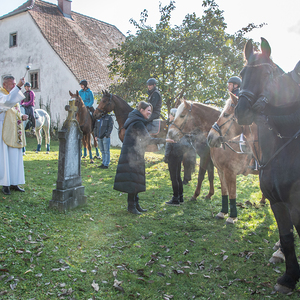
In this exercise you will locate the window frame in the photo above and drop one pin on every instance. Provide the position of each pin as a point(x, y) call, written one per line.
point(13, 39)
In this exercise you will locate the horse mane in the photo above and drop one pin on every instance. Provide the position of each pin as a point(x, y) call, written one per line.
point(182, 106)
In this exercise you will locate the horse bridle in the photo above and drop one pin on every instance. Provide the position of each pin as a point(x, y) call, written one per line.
point(250, 96)
point(217, 128)
point(104, 108)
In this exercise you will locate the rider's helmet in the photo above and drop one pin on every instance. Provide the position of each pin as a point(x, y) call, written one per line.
point(151, 81)
point(235, 80)
point(83, 82)
point(296, 73)
point(27, 84)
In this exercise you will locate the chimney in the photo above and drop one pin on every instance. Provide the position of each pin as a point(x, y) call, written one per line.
point(65, 7)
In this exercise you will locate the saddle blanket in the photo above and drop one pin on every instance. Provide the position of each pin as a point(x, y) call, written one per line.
point(154, 127)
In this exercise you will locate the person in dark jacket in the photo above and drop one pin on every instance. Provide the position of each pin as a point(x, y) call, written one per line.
point(102, 131)
point(130, 175)
point(154, 99)
point(173, 157)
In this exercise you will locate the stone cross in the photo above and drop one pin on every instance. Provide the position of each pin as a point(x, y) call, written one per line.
point(69, 191)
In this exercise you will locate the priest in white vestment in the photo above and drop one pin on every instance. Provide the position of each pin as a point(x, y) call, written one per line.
point(12, 135)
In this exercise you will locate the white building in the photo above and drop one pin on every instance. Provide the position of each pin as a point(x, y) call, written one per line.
point(62, 47)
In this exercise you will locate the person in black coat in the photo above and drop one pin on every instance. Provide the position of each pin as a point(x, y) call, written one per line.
point(130, 176)
point(173, 157)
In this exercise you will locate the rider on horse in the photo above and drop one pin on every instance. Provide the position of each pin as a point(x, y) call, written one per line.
point(87, 96)
point(28, 104)
point(233, 85)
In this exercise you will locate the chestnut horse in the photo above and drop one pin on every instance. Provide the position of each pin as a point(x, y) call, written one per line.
point(195, 120)
point(86, 125)
point(277, 119)
point(235, 157)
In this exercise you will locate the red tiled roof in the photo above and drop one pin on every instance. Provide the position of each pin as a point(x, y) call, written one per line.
point(82, 43)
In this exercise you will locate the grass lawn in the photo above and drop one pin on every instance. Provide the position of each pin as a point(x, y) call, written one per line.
point(100, 251)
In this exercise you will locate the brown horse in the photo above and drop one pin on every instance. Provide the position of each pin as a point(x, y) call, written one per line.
point(195, 120)
point(86, 125)
point(120, 107)
point(239, 143)
point(110, 102)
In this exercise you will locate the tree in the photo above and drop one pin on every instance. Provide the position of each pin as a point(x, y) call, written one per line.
point(193, 60)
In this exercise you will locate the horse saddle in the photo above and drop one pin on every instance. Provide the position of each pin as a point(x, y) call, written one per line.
point(154, 126)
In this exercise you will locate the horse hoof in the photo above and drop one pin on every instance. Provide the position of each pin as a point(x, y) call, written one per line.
point(231, 221)
point(193, 199)
point(208, 196)
point(277, 257)
point(282, 289)
point(220, 216)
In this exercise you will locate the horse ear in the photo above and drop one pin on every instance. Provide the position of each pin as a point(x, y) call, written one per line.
point(70, 93)
point(103, 93)
point(265, 47)
point(248, 50)
point(77, 94)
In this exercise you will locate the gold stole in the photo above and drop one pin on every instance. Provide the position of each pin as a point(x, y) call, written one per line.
point(13, 133)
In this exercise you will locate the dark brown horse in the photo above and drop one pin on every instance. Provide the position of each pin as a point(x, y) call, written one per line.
point(235, 157)
point(195, 120)
point(272, 102)
point(86, 125)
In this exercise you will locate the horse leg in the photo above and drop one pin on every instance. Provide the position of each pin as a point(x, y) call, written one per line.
point(230, 178)
point(286, 283)
point(39, 140)
point(201, 176)
point(89, 146)
point(84, 146)
point(47, 137)
point(211, 177)
point(96, 147)
point(224, 190)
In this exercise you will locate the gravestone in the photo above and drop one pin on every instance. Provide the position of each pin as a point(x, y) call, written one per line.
point(69, 191)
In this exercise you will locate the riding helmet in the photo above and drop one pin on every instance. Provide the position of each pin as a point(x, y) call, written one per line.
point(296, 73)
point(27, 84)
point(151, 81)
point(235, 80)
point(83, 82)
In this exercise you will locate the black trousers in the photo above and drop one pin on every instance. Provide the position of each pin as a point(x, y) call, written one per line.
point(174, 164)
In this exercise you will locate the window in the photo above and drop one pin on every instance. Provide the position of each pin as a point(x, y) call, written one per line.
point(34, 80)
point(13, 39)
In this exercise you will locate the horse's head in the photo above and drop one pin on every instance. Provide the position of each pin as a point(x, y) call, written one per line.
point(105, 106)
point(225, 126)
point(76, 97)
point(256, 74)
point(183, 121)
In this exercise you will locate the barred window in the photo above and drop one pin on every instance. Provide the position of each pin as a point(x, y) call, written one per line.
point(34, 80)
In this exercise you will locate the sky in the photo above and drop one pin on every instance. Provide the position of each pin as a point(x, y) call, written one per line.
point(282, 17)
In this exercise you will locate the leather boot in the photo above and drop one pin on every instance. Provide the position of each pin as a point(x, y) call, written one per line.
point(137, 205)
point(17, 188)
point(174, 201)
point(131, 205)
point(181, 199)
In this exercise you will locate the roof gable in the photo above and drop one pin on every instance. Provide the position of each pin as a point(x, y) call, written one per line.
point(83, 43)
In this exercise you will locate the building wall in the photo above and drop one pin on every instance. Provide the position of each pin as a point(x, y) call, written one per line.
point(32, 49)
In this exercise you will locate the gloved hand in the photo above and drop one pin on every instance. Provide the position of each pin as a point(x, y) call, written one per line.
point(260, 104)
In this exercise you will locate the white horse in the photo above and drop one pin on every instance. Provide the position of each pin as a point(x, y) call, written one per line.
point(42, 120)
